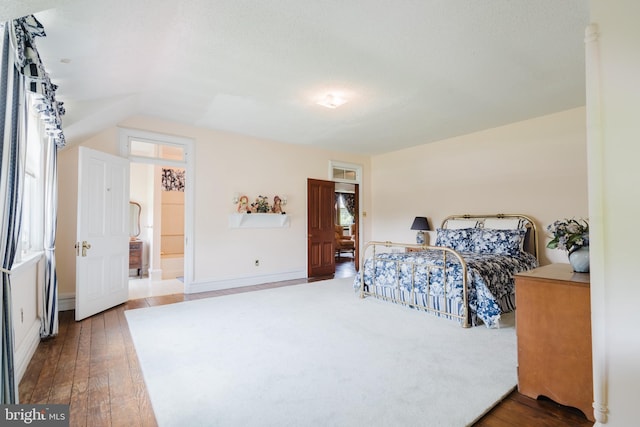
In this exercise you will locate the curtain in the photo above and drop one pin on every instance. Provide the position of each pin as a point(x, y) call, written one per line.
point(21, 70)
point(42, 95)
point(12, 130)
point(49, 324)
point(350, 203)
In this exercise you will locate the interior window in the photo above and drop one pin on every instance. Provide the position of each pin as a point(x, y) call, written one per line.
point(344, 174)
point(156, 150)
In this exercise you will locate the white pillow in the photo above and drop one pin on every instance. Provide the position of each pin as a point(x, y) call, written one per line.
point(503, 223)
point(457, 224)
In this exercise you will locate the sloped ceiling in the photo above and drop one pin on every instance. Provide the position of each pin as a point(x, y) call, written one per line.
point(413, 71)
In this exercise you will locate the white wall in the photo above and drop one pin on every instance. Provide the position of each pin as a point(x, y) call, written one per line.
point(544, 175)
point(27, 282)
point(226, 164)
point(536, 167)
point(613, 95)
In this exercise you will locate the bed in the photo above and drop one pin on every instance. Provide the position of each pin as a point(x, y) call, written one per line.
point(466, 276)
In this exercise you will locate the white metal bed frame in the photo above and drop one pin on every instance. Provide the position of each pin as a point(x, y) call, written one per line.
point(530, 245)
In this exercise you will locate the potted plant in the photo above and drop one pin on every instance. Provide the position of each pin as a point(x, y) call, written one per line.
point(572, 235)
point(261, 205)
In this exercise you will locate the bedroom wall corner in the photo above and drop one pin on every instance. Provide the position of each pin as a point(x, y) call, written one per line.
point(536, 167)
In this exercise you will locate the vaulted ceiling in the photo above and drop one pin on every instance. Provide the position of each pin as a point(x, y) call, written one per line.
point(412, 72)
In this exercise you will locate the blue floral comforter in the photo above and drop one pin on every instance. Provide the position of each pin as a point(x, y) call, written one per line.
point(489, 279)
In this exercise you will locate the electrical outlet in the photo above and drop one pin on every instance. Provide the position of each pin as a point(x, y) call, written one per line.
point(257, 263)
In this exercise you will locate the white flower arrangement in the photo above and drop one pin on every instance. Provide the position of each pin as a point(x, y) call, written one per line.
point(569, 234)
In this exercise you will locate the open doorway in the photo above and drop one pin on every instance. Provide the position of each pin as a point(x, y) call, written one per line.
point(159, 191)
point(161, 184)
point(346, 223)
point(323, 218)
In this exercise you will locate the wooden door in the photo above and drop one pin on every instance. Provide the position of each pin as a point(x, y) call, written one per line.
point(320, 228)
point(102, 239)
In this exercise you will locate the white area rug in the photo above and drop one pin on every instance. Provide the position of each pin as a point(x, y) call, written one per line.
point(317, 355)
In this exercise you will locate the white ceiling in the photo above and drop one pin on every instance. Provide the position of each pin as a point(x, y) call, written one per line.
point(413, 71)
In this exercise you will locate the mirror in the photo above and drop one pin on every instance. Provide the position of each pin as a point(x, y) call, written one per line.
point(134, 219)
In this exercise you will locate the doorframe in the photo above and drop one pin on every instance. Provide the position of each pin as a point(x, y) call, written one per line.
point(188, 145)
point(333, 164)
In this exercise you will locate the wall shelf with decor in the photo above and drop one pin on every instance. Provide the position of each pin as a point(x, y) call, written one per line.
point(258, 220)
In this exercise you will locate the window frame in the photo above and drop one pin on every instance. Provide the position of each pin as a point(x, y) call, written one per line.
point(31, 237)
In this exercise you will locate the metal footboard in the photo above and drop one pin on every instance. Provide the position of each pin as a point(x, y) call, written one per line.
point(441, 306)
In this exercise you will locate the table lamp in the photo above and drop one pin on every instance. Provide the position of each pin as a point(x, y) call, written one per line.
point(421, 224)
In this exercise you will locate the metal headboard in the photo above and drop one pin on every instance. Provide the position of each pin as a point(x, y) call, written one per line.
point(531, 238)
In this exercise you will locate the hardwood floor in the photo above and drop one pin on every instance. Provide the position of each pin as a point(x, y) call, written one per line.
point(92, 366)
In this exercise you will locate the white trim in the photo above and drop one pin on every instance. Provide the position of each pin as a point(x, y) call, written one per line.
point(27, 260)
point(347, 166)
point(597, 191)
point(155, 274)
point(215, 285)
point(127, 134)
point(188, 144)
point(358, 169)
point(26, 350)
point(66, 301)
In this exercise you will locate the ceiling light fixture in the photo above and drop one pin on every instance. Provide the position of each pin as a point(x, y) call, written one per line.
point(332, 101)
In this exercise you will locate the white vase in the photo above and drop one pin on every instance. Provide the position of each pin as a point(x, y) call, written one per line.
point(579, 260)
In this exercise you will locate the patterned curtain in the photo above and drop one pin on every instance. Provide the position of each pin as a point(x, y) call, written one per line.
point(12, 158)
point(50, 112)
point(350, 203)
point(49, 324)
point(21, 70)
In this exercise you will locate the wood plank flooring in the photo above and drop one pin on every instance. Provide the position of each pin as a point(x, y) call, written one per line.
point(92, 365)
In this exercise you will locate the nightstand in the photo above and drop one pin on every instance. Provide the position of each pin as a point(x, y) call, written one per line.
point(553, 326)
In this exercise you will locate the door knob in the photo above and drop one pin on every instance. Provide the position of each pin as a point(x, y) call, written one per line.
point(85, 246)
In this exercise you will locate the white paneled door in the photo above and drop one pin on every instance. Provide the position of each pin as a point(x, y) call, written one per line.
point(102, 242)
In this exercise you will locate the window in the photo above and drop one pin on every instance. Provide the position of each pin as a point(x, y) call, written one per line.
point(340, 173)
point(344, 217)
point(32, 228)
point(156, 150)
point(344, 172)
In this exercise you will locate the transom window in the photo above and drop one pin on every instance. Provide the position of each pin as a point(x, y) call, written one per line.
point(155, 150)
point(344, 174)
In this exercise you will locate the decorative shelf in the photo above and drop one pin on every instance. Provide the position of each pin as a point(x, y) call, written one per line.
point(258, 220)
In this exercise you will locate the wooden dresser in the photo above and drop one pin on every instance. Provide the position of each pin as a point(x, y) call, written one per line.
point(135, 256)
point(553, 325)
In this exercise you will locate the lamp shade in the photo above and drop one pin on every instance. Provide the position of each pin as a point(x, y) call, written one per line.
point(420, 223)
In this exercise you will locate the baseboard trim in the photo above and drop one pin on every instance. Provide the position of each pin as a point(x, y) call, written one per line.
point(216, 285)
point(27, 349)
point(66, 302)
point(155, 274)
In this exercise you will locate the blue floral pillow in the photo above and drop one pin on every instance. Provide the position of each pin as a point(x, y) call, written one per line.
point(499, 242)
point(461, 240)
